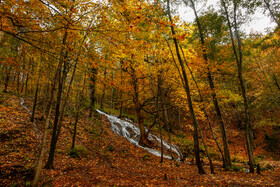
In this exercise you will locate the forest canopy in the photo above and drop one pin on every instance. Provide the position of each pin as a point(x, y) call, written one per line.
point(138, 59)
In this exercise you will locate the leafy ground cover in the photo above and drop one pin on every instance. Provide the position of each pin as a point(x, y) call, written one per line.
point(102, 158)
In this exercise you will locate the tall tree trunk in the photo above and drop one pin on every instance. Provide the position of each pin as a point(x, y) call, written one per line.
point(121, 92)
point(23, 83)
point(112, 93)
point(207, 152)
point(58, 123)
point(65, 103)
point(62, 60)
point(159, 82)
point(165, 118)
point(187, 89)
point(36, 94)
point(49, 164)
point(227, 159)
point(103, 92)
point(26, 83)
point(92, 89)
point(76, 121)
point(204, 109)
point(42, 151)
point(138, 108)
point(7, 80)
point(78, 101)
point(238, 58)
point(18, 81)
point(227, 162)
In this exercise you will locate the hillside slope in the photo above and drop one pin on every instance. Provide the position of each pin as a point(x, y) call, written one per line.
point(104, 157)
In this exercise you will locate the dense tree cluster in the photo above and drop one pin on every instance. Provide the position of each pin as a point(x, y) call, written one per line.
point(136, 57)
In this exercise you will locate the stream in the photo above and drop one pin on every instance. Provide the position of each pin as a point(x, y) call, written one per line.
point(22, 103)
point(126, 129)
point(35, 128)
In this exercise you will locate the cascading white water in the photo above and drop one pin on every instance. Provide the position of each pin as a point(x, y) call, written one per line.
point(132, 133)
point(22, 104)
point(35, 128)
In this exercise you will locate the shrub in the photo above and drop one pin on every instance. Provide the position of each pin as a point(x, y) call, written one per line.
point(78, 151)
point(146, 157)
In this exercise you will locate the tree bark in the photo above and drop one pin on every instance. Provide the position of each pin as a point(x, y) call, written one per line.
point(238, 58)
point(7, 80)
point(26, 83)
point(227, 159)
point(103, 93)
point(112, 93)
point(62, 60)
point(204, 109)
point(42, 151)
point(36, 94)
point(187, 89)
point(76, 122)
point(159, 81)
point(121, 92)
point(92, 90)
point(18, 81)
point(138, 108)
point(207, 152)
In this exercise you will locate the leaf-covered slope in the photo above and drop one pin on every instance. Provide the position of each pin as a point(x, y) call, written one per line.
point(103, 157)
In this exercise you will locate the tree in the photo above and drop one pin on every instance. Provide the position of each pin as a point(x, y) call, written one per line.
point(187, 89)
point(239, 62)
point(273, 7)
point(227, 159)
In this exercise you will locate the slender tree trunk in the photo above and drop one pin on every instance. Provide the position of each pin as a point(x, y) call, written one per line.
point(161, 142)
point(76, 122)
point(227, 162)
point(166, 119)
point(159, 81)
point(62, 60)
point(7, 80)
point(190, 104)
point(238, 57)
point(58, 123)
point(47, 91)
point(121, 92)
point(18, 81)
point(79, 99)
point(26, 83)
point(248, 133)
point(207, 152)
point(23, 83)
point(65, 103)
point(92, 89)
point(112, 93)
point(227, 159)
point(103, 92)
point(204, 110)
point(274, 17)
point(36, 94)
point(39, 166)
point(49, 164)
point(216, 141)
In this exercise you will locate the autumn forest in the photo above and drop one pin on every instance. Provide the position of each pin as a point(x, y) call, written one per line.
point(125, 92)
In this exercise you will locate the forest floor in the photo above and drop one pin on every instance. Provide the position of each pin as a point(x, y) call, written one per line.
point(105, 159)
